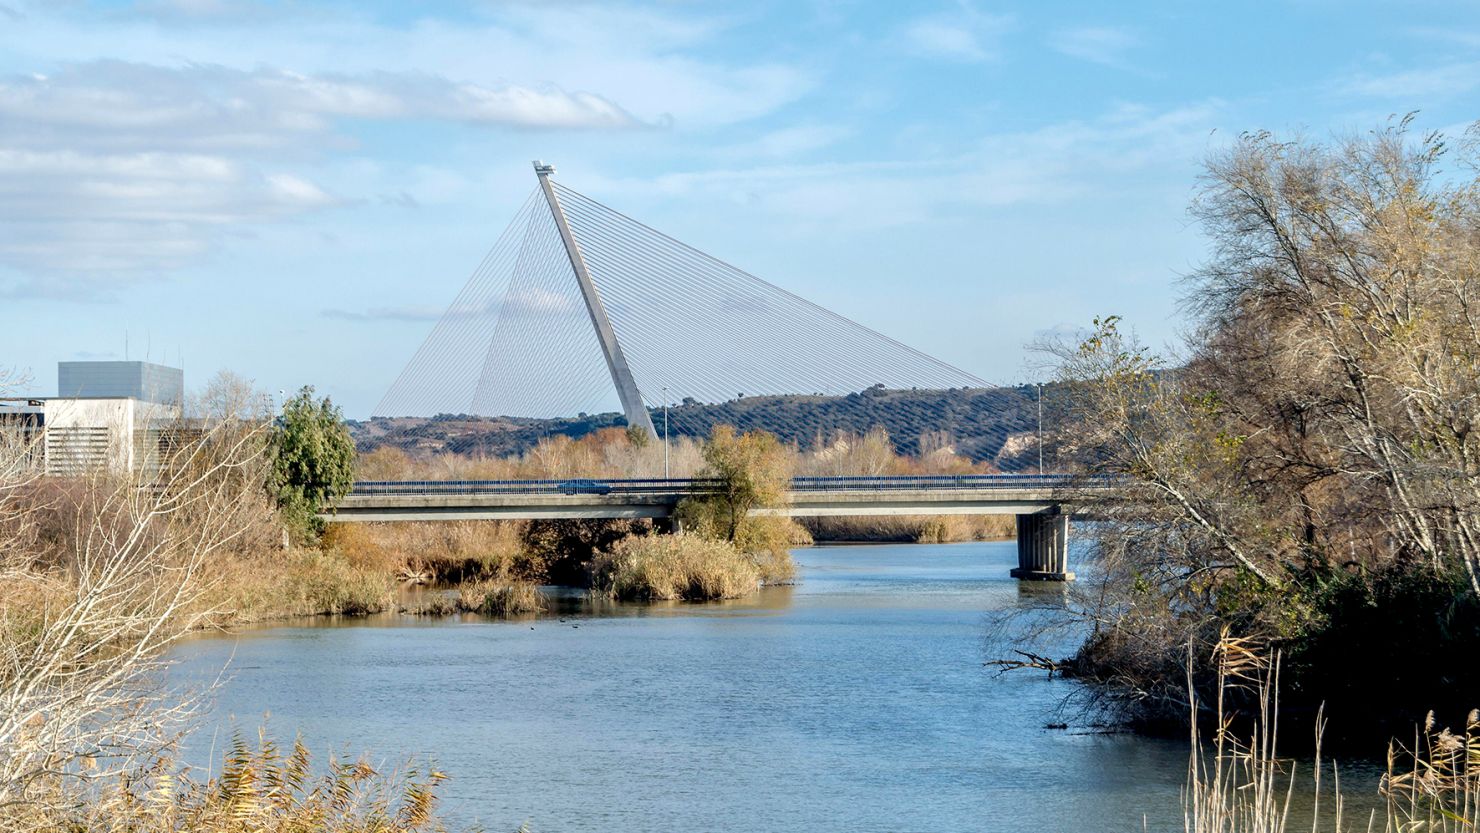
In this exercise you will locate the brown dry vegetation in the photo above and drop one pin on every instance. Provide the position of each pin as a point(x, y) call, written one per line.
point(688, 567)
point(1240, 782)
point(914, 529)
point(1309, 472)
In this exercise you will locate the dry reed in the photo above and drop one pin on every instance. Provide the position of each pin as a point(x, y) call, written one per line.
point(500, 599)
point(675, 567)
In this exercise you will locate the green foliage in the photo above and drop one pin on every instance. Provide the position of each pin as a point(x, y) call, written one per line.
point(312, 461)
point(753, 470)
point(638, 436)
point(1381, 650)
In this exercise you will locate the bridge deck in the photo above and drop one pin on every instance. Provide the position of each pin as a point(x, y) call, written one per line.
point(808, 496)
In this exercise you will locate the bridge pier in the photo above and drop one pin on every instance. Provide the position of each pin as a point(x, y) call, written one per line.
point(1043, 547)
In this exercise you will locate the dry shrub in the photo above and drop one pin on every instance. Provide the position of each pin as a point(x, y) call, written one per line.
point(561, 551)
point(767, 542)
point(506, 599)
point(609, 452)
point(921, 529)
point(679, 566)
point(442, 552)
point(297, 582)
point(92, 606)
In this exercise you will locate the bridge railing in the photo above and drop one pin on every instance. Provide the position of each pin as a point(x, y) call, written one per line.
point(579, 486)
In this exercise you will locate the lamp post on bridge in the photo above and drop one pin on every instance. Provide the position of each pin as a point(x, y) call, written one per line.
point(666, 475)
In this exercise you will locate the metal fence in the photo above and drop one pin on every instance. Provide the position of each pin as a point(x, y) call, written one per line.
point(577, 486)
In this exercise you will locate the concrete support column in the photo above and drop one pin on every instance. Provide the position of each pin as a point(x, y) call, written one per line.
point(1043, 547)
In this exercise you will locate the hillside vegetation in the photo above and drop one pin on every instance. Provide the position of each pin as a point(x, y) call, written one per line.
point(991, 425)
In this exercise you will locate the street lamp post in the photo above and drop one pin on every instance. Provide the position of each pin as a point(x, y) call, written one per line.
point(665, 433)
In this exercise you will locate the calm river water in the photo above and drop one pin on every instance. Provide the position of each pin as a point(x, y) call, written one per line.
point(856, 700)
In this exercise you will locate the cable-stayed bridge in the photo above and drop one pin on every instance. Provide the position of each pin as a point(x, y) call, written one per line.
point(577, 305)
point(577, 301)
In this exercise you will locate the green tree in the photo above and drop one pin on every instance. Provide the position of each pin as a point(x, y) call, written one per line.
point(753, 470)
point(313, 460)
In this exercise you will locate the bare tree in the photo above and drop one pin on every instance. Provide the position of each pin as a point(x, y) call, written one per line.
point(1323, 417)
point(82, 641)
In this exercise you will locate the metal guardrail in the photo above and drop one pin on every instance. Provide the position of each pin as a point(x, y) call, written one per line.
point(590, 486)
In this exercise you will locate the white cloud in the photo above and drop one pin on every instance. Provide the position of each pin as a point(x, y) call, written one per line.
point(1058, 164)
point(1411, 85)
point(966, 36)
point(645, 60)
point(72, 213)
point(1105, 45)
point(139, 138)
point(113, 167)
point(205, 107)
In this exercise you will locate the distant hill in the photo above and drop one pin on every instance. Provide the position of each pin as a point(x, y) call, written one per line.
point(983, 424)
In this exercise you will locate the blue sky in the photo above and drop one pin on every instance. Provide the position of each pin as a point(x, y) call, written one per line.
point(294, 190)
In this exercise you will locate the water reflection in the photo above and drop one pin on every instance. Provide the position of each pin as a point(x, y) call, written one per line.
point(857, 699)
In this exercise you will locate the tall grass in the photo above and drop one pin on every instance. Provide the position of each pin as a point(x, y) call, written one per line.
point(500, 599)
point(449, 551)
point(1238, 783)
point(912, 529)
point(681, 566)
point(1438, 787)
point(294, 582)
point(259, 790)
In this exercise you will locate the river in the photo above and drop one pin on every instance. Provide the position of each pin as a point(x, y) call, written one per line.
point(857, 699)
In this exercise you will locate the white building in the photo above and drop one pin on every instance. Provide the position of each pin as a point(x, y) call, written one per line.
point(92, 426)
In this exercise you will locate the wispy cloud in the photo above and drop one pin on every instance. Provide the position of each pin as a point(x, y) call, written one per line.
point(1412, 85)
point(1053, 165)
point(407, 312)
point(1106, 45)
point(787, 142)
point(135, 140)
point(529, 302)
point(133, 105)
point(964, 35)
point(115, 167)
point(1463, 37)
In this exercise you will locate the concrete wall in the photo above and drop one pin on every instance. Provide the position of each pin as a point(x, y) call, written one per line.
point(84, 435)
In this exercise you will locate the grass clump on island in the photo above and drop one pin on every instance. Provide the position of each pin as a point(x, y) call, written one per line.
point(493, 598)
point(733, 546)
point(669, 567)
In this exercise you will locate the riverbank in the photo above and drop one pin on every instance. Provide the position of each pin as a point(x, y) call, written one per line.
point(361, 569)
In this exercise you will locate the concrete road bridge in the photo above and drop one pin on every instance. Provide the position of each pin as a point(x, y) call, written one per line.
point(1038, 501)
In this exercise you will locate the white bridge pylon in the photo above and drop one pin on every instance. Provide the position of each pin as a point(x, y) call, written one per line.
point(578, 305)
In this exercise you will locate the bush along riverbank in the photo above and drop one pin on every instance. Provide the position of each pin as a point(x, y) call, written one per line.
point(1307, 473)
point(494, 568)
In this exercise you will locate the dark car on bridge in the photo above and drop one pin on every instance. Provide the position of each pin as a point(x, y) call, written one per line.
point(585, 487)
